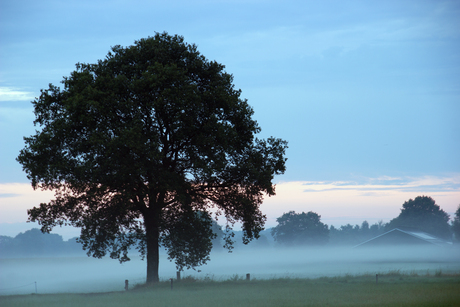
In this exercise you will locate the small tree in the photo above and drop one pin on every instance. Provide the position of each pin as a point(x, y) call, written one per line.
point(300, 229)
point(377, 229)
point(365, 228)
point(137, 143)
point(422, 213)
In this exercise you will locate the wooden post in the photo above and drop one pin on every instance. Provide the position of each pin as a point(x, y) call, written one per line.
point(248, 277)
point(376, 278)
point(171, 283)
point(126, 284)
point(178, 275)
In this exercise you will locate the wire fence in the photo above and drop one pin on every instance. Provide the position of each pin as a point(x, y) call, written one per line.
point(18, 287)
point(4, 291)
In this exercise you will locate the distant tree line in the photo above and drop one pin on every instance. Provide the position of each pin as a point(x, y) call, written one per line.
point(419, 214)
point(353, 235)
point(293, 229)
point(34, 243)
point(306, 229)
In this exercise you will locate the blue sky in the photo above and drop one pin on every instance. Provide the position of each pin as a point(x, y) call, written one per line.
point(366, 92)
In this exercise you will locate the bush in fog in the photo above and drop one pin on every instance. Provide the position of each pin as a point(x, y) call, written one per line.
point(300, 229)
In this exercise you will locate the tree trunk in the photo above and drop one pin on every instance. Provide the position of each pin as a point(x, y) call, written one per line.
point(153, 255)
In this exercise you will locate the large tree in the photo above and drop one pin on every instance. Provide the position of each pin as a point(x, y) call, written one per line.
point(300, 229)
point(136, 144)
point(422, 213)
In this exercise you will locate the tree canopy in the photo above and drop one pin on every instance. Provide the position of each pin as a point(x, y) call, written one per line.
point(143, 139)
point(300, 229)
point(422, 213)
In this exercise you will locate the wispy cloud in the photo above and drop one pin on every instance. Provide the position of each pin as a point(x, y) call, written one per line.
point(385, 183)
point(16, 198)
point(14, 94)
point(8, 195)
point(299, 40)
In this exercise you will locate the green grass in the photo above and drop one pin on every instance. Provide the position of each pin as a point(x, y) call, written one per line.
point(393, 289)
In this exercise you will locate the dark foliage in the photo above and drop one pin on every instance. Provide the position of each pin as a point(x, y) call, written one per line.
point(188, 239)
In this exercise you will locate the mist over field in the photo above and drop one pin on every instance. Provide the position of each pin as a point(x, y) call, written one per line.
point(84, 274)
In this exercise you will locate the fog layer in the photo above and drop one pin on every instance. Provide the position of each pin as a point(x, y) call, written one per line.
point(83, 274)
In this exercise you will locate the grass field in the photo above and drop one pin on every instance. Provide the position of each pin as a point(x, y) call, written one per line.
point(392, 289)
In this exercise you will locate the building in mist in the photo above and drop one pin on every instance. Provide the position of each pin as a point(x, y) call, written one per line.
point(399, 237)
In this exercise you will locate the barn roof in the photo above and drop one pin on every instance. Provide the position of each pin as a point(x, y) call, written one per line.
point(399, 236)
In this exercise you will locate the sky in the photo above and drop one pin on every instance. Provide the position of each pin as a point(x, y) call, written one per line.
point(367, 93)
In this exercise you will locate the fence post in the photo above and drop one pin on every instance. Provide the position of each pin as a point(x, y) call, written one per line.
point(171, 283)
point(376, 278)
point(248, 277)
point(178, 275)
point(126, 284)
point(35, 287)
